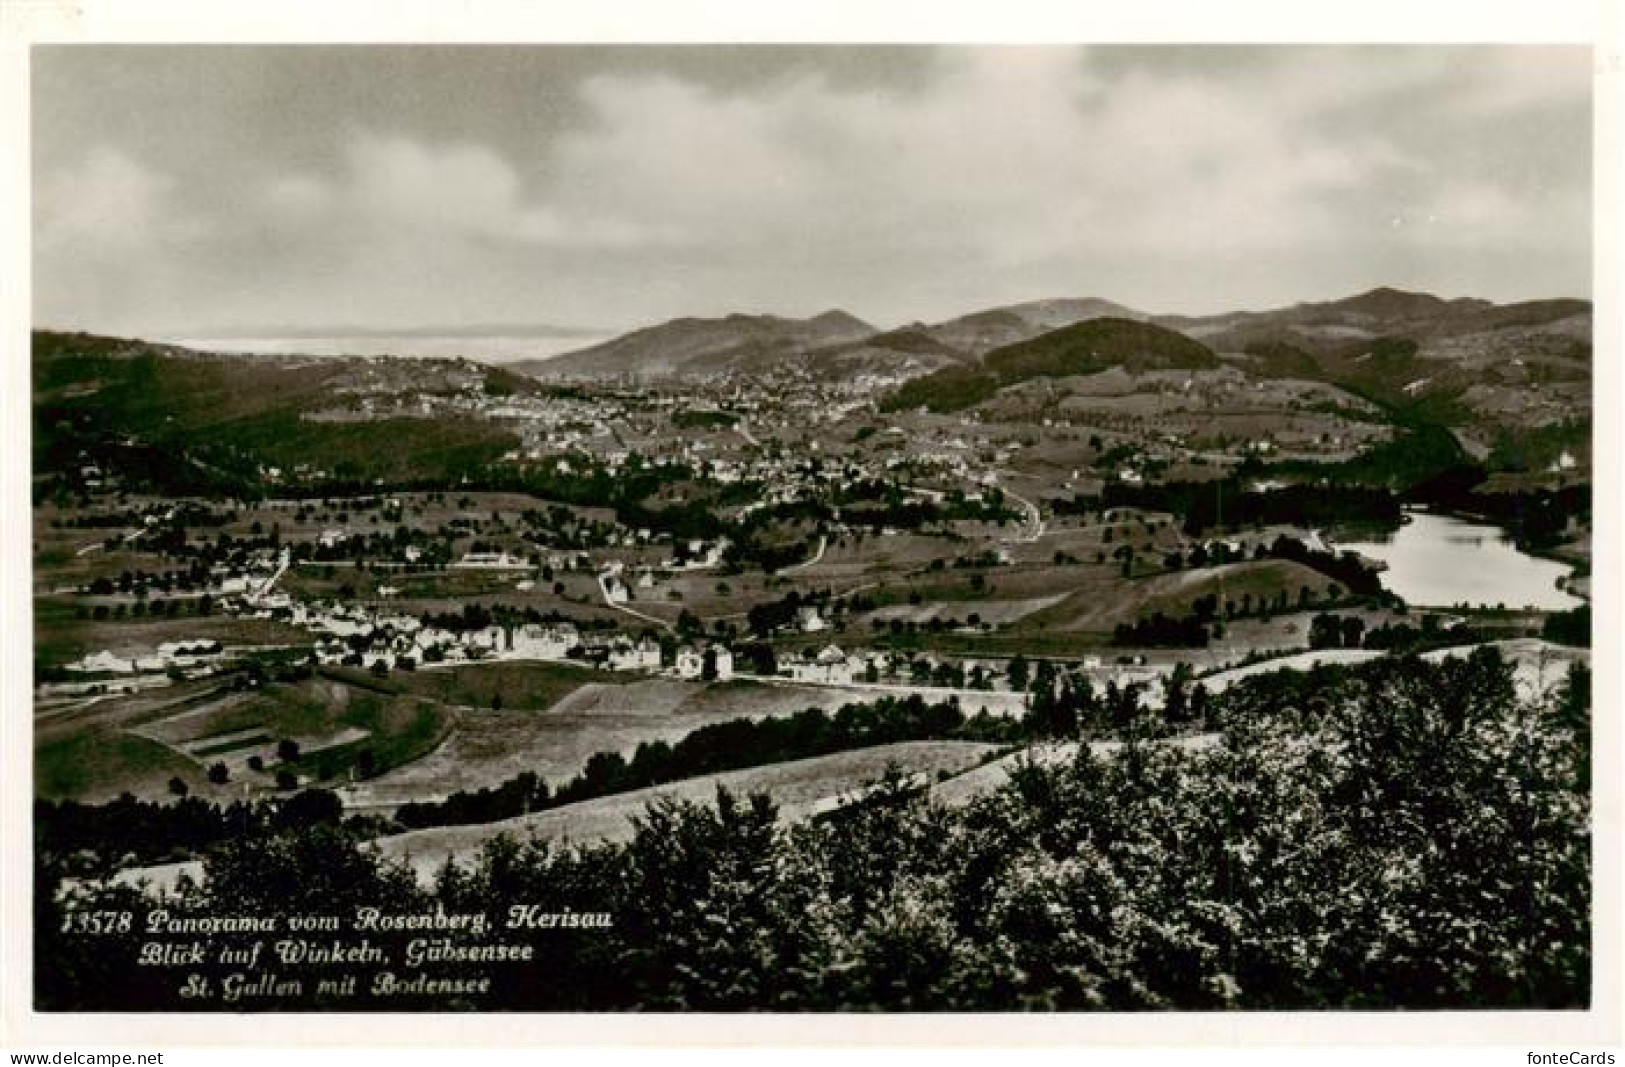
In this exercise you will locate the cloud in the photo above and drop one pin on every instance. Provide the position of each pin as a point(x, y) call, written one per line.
point(1008, 155)
point(108, 202)
point(1176, 180)
point(394, 186)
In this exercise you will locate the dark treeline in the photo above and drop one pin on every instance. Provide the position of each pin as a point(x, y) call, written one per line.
point(129, 829)
point(477, 616)
point(1536, 519)
point(1408, 835)
point(1229, 504)
point(1352, 574)
point(724, 746)
point(1158, 630)
point(1421, 454)
point(111, 834)
point(1572, 627)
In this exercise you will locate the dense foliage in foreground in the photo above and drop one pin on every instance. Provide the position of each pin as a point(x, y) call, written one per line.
point(1408, 835)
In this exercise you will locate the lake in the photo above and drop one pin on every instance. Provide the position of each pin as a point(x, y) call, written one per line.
point(488, 348)
point(1441, 561)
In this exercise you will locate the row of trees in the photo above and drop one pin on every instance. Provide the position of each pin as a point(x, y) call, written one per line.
point(725, 746)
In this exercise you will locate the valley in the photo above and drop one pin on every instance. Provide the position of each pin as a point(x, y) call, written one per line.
point(464, 598)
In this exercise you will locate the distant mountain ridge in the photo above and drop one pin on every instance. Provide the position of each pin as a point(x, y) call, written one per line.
point(1294, 340)
point(834, 342)
point(1382, 311)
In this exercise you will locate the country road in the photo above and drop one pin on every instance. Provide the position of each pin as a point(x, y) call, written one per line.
point(603, 588)
point(823, 543)
point(1033, 517)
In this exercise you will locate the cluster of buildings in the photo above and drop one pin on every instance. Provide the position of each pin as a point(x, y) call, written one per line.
point(184, 655)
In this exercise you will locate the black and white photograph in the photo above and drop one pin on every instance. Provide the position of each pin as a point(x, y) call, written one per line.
point(1017, 527)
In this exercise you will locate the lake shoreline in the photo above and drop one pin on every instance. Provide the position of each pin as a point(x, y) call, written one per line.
point(1441, 558)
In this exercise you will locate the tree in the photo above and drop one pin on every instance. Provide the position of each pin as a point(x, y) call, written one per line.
point(287, 750)
point(218, 774)
point(308, 807)
point(1325, 631)
point(1177, 705)
point(1353, 629)
point(178, 786)
point(1018, 672)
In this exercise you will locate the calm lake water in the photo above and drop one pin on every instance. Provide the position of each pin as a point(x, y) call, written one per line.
point(492, 348)
point(1439, 561)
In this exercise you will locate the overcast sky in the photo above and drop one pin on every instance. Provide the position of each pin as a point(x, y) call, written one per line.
point(185, 189)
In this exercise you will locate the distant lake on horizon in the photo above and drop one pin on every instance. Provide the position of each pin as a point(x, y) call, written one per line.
point(1441, 561)
point(493, 348)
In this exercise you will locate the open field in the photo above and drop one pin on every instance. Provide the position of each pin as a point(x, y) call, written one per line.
point(137, 744)
point(1538, 666)
point(485, 748)
point(1302, 661)
point(61, 636)
point(513, 686)
point(798, 787)
point(1173, 593)
point(97, 765)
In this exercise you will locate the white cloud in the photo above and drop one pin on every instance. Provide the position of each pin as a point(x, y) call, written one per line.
point(108, 203)
point(1012, 153)
point(466, 192)
point(995, 174)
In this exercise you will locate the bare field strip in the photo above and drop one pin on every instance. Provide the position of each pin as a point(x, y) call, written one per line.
point(486, 748)
point(796, 787)
point(963, 788)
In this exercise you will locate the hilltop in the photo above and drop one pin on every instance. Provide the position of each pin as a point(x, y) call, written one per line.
point(982, 331)
point(1336, 325)
point(1087, 347)
point(689, 347)
point(187, 420)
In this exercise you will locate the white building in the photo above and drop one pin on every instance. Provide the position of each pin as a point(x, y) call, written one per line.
point(642, 656)
point(543, 642)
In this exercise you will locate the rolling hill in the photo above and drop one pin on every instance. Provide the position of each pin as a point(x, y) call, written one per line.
point(983, 331)
point(690, 347)
point(1086, 347)
point(1337, 326)
point(179, 420)
point(1493, 368)
point(832, 344)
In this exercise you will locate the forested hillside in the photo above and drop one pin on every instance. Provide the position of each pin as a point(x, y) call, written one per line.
point(1403, 835)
